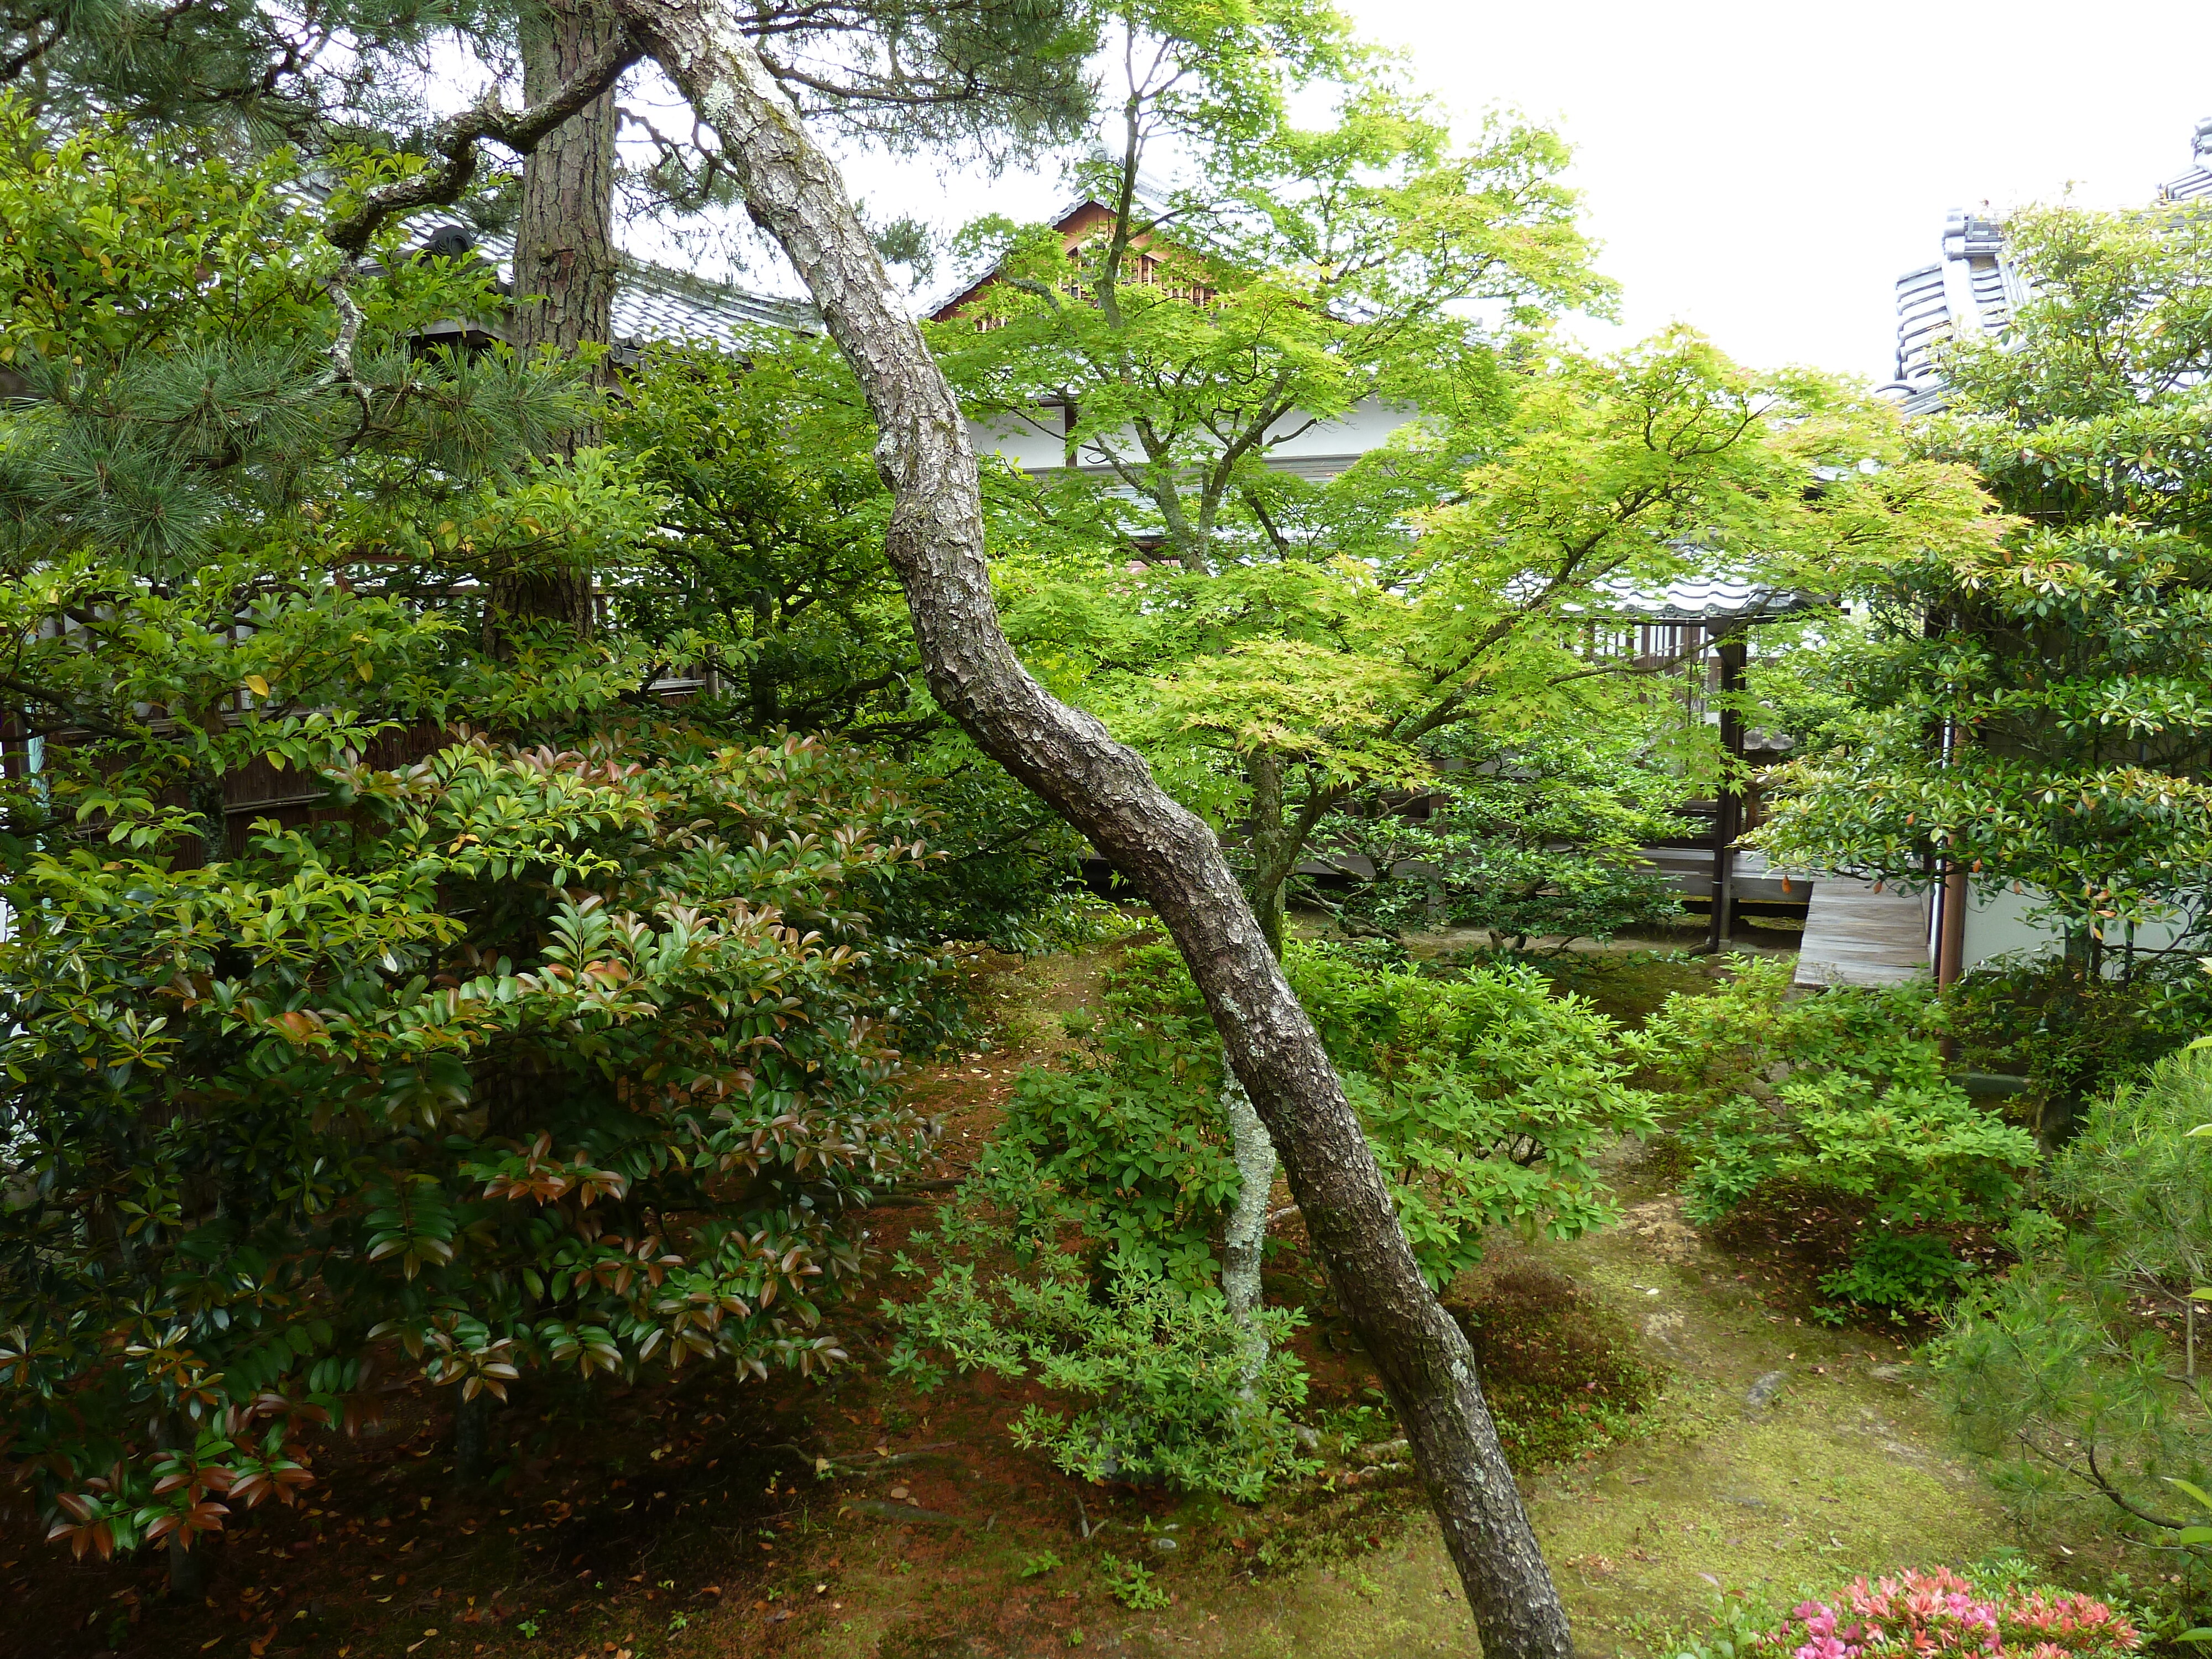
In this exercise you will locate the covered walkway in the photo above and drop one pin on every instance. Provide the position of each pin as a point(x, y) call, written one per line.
point(1857, 936)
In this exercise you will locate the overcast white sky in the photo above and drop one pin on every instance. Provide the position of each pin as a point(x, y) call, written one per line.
point(1764, 169)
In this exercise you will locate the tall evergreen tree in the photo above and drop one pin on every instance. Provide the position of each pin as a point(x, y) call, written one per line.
point(1000, 75)
point(2035, 712)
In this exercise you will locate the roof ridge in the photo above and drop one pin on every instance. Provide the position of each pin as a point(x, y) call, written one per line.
point(975, 273)
point(1989, 286)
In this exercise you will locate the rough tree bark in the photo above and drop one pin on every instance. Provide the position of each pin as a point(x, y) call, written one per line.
point(1106, 791)
point(564, 242)
point(565, 261)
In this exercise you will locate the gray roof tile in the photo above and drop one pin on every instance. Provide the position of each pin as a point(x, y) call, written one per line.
point(1976, 288)
point(2196, 184)
point(654, 305)
point(1704, 598)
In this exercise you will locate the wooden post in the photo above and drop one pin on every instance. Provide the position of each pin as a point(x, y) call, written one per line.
point(1951, 898)
point(1951, 926)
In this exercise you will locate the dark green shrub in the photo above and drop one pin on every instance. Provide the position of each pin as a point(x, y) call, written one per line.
point(1843, 1093)
point(1006, 876)
point(1105, 1189)
point(530, 1061)
point(1895, 1273)
point(1484, 1095)
point(1107, 1186)
point(2074, 1034)
point(1844, 1096)
point(1126, 1140)
point(1536, 834)
point(1161, 1390)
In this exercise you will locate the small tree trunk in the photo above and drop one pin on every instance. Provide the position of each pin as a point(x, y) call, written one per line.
point(189, 1569)
point(761, 682)
point(472, 1440)
point(1069, 760)
point(1247, 1236)
point(211, 803)
point(564, 271)
point(207, 792)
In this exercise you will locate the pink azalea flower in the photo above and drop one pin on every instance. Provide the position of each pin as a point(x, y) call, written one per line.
point(1939, 1615)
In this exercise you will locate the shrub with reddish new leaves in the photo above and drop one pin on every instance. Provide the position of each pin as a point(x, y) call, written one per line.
point(571, 1045)
point(525, 1059)
point(1938, 1612)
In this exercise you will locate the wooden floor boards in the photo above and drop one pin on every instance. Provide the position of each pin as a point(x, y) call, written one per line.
point(1857, 936)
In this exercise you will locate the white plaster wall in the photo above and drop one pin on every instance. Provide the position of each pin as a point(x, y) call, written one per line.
point(1028, 444)
point(1998, 925)
point(1367, 425)
point(1031, 444)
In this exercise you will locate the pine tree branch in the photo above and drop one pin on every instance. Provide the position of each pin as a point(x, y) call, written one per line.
point(455, 141)
point(340, 350)
point(899, 92)
point(38, 46)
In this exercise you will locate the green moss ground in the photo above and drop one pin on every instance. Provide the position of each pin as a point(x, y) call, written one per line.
point(1841, 1471)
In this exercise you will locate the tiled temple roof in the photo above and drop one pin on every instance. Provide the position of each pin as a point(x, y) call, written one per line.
point(1974, 288)
point(1705, 599)
point(653, 303)
point(2196, 183)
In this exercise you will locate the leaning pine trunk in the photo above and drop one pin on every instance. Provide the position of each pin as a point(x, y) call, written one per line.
point(1066, 758)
